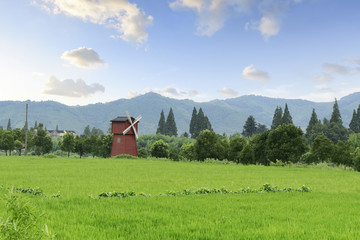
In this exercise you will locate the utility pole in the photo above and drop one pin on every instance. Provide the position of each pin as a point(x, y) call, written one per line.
point(26, 130)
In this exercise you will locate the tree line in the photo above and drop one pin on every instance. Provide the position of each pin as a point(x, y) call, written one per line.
point(323, 141)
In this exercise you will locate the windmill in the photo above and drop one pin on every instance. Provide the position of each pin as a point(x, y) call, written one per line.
point(124, 130)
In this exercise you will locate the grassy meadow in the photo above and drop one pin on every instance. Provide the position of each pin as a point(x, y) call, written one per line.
point(330, 211)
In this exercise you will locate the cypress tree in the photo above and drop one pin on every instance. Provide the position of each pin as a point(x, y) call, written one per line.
point(277, 119)
point(9, 125)
point(313, 121)
point(192, 128)
point(335, 116)
point(161, 124)
point(170, 125)
point(353, 123)
point(250, 127)
point(286, 119)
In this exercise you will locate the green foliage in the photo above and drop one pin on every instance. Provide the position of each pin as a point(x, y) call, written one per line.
point(42, 141)
point(174, 154)
point(236, 145)
point(249, 128)
point(206, 145)
point(80, 145)
point(355, 121)
point(335, 132)
point(104, 144)
point(22, 221)
point(322, 150)
point(342, 153)
point(335, 116)
point(247, 155)
point(286, 118)
point(68, 143)
point(146, 141)
point(142, 153)
point(260, 147)
point(159, 149)
point(286, 143)
point(188, 151)
point(161, 124)
point(277, 118)
point(198, 123)
point(87, 131)
point(9, 125)
point(125, 156)
point(170, 128)
point(7, 141)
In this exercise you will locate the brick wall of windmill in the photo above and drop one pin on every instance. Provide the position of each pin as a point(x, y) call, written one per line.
point(123, 144)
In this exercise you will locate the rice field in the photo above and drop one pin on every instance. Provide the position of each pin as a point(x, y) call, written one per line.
point(330, 211)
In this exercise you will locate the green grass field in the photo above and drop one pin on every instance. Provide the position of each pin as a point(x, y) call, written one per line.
point(330, 211)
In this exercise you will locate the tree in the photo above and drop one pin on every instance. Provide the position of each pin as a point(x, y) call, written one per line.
point(286, 143)
point(335, 116)
point(342, 153)
point(170, 125)
point(321, 149)
point(87, 131)
point(187, 151)
point(9, 125)
point(159, 149)
point(57, 128)
point(80, 145)
point(97, 131)
point(7, 143)
point(286, 118)
point(104, 143)
point(247, 155)
point(260, 148)
point(237, 144)
point(161, 124)
point(260, 128)
point(193, 127)
point(277, 118)
point(335, 132)
point(42, 141)
point(249, 128)
point(68, 143)
point(18, 145)
point(355, 121)
point(205, 145)
point(312, 122)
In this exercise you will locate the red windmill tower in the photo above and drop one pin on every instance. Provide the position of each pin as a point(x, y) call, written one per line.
point(125, 135)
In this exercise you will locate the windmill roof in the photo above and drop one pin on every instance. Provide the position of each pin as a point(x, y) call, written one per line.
point(121, 119)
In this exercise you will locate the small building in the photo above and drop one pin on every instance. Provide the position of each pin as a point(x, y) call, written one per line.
point(123, 143)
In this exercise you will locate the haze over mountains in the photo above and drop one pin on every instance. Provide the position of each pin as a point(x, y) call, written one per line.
point(226, 116)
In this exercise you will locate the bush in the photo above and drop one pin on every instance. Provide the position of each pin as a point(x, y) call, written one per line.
point(126, 156)
point(357, 163)
point(142, 153)
point(159, 149)
point(174, 154)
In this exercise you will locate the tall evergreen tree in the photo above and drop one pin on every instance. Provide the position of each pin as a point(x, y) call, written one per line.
point(192, 128)
point(161, 124)
point(249, 128)
point(170, 125)
point(335, 116)
point(286, 118)
point(313, 121)
point(355, 121)
point(57, 128)
point(9, 125)
point(87, 131)
point(277, 119)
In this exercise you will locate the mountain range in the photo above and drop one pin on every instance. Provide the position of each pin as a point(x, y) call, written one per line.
point(226, 116)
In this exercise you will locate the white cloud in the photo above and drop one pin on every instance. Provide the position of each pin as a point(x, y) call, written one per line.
point(71, 88)
point(132, 94)
point(173, 92)
point(269, 26)
point(323, 78)
point(228, 92)
point(125, 17)
point(335, 68)
point(252, 73)
point(83, 58)
point(212, 14)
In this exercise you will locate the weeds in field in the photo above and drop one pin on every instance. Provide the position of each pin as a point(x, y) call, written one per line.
point(21, 222)
point(265, 188)
point(35, 191)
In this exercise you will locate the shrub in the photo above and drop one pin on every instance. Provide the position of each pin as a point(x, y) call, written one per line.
point(142, 153)
point(127, 156)
point(49, 155)
point(159, 149)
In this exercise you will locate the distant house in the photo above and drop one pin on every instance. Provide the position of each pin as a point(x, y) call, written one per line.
point(60, 133)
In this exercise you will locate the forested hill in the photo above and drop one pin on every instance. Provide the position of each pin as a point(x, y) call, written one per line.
point(225, 115)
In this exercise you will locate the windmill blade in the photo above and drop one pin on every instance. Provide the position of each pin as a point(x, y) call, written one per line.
point(128, 117)
point(127, 129)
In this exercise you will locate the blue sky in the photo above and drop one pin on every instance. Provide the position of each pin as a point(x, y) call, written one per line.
point(89, 51)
